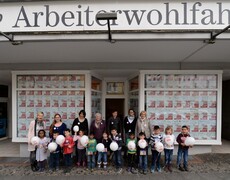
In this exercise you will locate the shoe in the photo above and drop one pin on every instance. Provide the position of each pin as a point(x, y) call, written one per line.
point(65, 170)
point(170, 168)
point(57, 169)
point(166, 168)
point(144, 172)
point(181, 168)
point(78, 164)
point(105, 167)
point(141, 171)
point(51, 170)
point(186, 169)
point(159, 169)
point(152, 170)
point(119, 171)
point(129, 169)
point(99, 166)
point(133, 171)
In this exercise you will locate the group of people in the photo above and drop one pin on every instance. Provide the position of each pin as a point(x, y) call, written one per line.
point(131, 130)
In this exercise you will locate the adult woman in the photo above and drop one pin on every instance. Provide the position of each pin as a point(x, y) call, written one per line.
point(57, 126)
point(81, 122)
point(143, 125)
point(98, 127)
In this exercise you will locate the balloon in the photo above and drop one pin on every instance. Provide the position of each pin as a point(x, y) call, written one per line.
point(100, 147)
point(189, 141)
point(113, 146)
point(84, 140)
point(52, 146)
point(60, 139)
point(142, 143)
point(169, 140)
point(131, 145)
point(76, 128)
point(159, 146)
point(35, 140)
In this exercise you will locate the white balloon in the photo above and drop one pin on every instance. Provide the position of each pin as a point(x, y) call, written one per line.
point(189, 141)
point(169, 140)
point(113, 146)
point(60, 139)
point(100, 147)
point(52, 146)
point(76, 128)
point(35, 140)
point(84, 140)
point(142, 143)
point(159, 146)
point(131, 145)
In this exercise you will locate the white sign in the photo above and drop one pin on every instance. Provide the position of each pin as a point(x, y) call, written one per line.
point(136, 15)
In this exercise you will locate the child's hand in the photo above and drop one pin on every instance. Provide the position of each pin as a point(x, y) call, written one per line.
point(75, 133)
point(69, 146)
point(182, 144)
point(191, 146)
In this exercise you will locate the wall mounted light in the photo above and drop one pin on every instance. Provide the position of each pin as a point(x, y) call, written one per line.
point(11, 38)
point(213, 36)
point(107, 16)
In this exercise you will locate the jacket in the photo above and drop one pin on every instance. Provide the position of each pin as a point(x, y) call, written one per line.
point(68, 142)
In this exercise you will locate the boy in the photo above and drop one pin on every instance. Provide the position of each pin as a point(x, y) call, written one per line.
point(156, 156)
point(115, 137)
point(54, 155)
point(68, 146)
point(143, 157)
point(91, 151)
point(182, 149)
point(131, 153)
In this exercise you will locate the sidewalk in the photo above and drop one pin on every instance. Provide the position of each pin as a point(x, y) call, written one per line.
point(211, 166)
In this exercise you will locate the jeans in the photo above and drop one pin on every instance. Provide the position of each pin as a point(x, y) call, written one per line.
point(168, 156)
point(54, 160)
point(143, 162)
point(182, 152)
point(68, 161)
point(117, 158)
point(156, 156)
point(91, 161)
point(102, 157)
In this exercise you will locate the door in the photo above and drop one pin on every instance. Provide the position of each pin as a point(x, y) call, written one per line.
point(115, 104)
point(3, 119)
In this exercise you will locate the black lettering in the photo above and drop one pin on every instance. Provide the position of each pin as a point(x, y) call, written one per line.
point(209, 18)
point(56, 16)
point(24, 18)
point(194, 10)
point(66, 17)
point(159, 17)
point(87, 11)
point(134, 16)
point(36, 18)
point(221, 14)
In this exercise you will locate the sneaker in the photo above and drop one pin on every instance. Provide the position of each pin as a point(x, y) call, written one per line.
point(133, 171)
point(158, 169)
point(170, 168)
point(166, 168)
point(129, 169)
point(144, 172)
point(119, 171)
point(152, 170)
point(186, 169)
point(105, 167)
point(57, 169)
point(99, 166)
point(181, 168)
point(141, 171)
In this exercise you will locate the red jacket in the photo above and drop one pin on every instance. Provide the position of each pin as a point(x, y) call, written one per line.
point(68, 145)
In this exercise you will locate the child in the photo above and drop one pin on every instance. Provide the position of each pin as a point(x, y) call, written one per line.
point(81, 150)
point(131, 153)
point(102, 156)
point(156, 156)
point(68, 146)
point(115, 137)
point(182, 149)
point(54, 155)
point(143, 155)
point(91, 151)
point(168, 149)
point(41, 153)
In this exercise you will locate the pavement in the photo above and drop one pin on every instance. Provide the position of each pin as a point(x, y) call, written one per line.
point(209, 166)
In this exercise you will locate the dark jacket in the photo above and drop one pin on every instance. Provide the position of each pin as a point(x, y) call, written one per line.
point(181, 139)
point(82, 126)
point(98, 132)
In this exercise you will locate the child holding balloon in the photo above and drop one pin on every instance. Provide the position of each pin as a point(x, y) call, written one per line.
point(91, 151)
point(143, 157)
point(156, 147)
point(132, 150)
point(182, 149)
point(41, 153)
point(102, 155)
point(81, 149)
point(68, 146)
point(168, 141)
point(54, 153)
point(116, 146)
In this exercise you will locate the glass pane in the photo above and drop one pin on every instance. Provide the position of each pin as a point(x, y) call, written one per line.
point(134, 84)
point(96, 103)
point(134, 101)
point(96, 84)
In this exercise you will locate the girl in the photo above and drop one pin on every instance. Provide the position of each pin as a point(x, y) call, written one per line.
point(41, 153)
point(168, 141)
point(102, 156)
point(57, 126)
point(81, 150)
